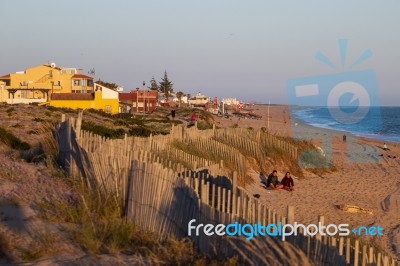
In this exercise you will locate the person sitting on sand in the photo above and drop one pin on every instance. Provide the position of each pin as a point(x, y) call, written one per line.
point(287, 182)
point(264, 179)
point(385, 147)
point(273, 182)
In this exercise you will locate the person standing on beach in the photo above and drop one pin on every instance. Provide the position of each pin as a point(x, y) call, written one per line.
point(273, 182)
point(287, 182)
point(344, 138)
point(193, 117)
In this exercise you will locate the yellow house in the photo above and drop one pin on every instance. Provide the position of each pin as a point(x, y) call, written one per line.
point(3, 92)
point(102, 99)
point(36, 84)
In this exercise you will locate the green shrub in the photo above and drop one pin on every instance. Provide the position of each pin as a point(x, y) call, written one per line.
point(99, 112)
point(18, 125)
point(139, 131)
point(122, 116)
point(38, 119)
point(204, 125)
point(136, 121)
point(103, 131)
point(10, 110)
point(33, 132)
point(61, 109)
point(11, 140)
point(120, 122)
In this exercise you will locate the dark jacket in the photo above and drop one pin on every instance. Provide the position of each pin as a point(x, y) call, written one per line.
point(287, 182)
point(273, 179)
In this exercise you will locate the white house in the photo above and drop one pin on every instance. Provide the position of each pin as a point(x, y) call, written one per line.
point(230, 101)
point(184, 99)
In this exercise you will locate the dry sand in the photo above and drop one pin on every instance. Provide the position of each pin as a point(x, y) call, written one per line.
point(370, 185)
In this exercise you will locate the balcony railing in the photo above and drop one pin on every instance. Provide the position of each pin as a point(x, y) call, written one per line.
point(82, 89)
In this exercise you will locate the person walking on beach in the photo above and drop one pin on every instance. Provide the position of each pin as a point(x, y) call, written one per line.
point(344, 138)
point(287, 182)
point(273, 182)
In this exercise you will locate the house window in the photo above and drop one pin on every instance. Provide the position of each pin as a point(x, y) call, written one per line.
point(76, 82)
point(108, 109)
point(6, 81)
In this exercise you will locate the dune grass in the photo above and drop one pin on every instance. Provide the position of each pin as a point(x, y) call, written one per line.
point(12, 141)
point(96, 222)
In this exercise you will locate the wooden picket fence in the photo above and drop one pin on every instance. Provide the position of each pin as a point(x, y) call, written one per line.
point(163, 195)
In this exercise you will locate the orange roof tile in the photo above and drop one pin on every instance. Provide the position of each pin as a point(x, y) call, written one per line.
point(73, 96)
point(81, 76)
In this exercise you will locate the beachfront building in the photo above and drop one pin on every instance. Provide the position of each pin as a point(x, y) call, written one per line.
point(37, 84)
point(102, 98)
point(138, 101)
point(184, 99)
point(230, 101)
point(199, 100)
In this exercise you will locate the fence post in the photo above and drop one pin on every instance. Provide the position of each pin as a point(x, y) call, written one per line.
point(348, 250)
point(356, 252)
point(234, 191)
point(79, 124)
point(378, 259)
point(321, 222)
point(364, 256)
point(371, 255)
point(341, 242)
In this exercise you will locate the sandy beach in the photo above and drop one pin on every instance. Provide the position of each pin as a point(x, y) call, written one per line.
point(370, 179)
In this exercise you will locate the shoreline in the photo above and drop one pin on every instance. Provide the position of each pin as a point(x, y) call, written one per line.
point(371, 136)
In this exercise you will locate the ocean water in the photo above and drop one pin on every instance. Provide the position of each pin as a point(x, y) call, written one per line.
point(381, 123)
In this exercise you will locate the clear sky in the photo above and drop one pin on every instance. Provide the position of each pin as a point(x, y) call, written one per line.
point(244, 49)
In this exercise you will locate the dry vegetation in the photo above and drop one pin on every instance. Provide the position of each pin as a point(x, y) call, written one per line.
point(69, 221)
point(45, 215)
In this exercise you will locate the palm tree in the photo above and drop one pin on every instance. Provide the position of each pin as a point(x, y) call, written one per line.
point(179, 95)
